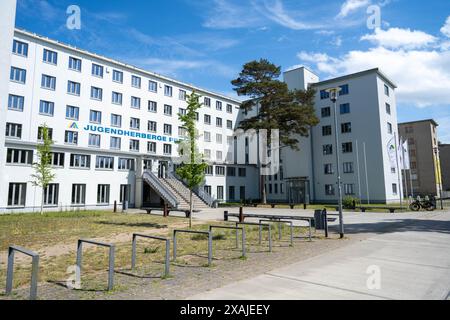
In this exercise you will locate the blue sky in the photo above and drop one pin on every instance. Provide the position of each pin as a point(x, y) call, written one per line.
point(206, 42)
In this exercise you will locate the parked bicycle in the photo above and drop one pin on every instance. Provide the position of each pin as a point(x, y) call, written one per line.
point(426, 204)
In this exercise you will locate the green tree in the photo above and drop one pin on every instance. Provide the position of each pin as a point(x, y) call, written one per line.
point(192, 170)
point(43, 175)
point(290, 111)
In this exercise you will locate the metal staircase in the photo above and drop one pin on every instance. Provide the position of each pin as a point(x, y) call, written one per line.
point(163, 191)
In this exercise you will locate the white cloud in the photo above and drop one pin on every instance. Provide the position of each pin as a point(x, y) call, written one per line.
point(446, 28)
point(227, 15)
point(350, 6)
point(400, 38)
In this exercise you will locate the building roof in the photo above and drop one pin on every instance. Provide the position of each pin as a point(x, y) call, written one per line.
point(355, 75)
point(419, 121)
point(123, 65)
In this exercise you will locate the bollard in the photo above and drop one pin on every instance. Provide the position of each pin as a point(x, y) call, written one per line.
point(115, 206)
point(166, 210)
point(241, 214)
point(225, 216)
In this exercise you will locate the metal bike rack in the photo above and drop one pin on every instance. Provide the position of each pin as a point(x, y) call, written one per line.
point(133, 251)
point(291, 226)
point(111, 260)
point(237, 235)
point(194, 232)
point(34, 270)
point(260, 231)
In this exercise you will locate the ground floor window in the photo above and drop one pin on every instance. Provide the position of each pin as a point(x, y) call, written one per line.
point(17, 194)
point(125, 193)
point(207, 189)
point(231, 193)
point(394, 188)
point(103, 194)
point(242, 192)
point(51, 195)
point(78, 194)
point(349, 189)
point(329, 189)
point(219, 192)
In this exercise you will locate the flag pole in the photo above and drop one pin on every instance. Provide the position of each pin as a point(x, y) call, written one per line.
point(359, 175)
point(367, 178)
point(398, 170)
point(404, 177)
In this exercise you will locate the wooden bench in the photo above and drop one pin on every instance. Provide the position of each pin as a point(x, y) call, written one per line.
point(186, 212)
point(363, 209)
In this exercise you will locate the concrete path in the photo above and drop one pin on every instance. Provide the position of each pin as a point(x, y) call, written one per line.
point(410, 252)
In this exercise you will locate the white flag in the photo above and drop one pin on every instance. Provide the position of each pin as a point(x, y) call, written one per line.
point(406, 163)
point(392, 153)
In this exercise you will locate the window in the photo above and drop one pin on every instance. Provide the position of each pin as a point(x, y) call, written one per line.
point(229, 108)
point(231, 171)
point(344, 90)
point(389, 128)
point(51, 195)
point(117, 98)
point(209, 170)
point(219, 156)
point(329, 189)
point(324, 94)
point(13, 130)
point(152, 86)
point(58, 159)
point(78, 194)
point(134, 145)
point(136, 82)
point(117, 76)
point(348, 167)
point(72, 113)
point(182, 111)
point(167, 110)
point(152, 106)
point(182, 95)
point(74, 64)
point(168, 129)
point(40, 134)
point(17, 194)
point(115, 143)
point(116, 120)
point(393, 170)
point(219, 138)
point(346, 127)
point(97, 70)
point(328, 168)
point(276, 188)
point(207, 102)
point(167, 91)
point(220, 171)
point(20, 48)
point(388, 108)
point(394, 188)
point(135, 123)
point(80, 161)
point(103, 194)
point(345, 108)
point(231, 193)
point(15, 102)
point(207, 136)
point(17, 156)
point(219, 105)
point(96, 93)
point(347, 147)
point(219, 122)
point(349, 189)
point(73, 88)
point(167, 149)
point(71, 137)
point(94, 140)
point(151, 147)
point(105, 163)
point(152, 126)
point(136, 102)
point(207, 153)
point(50, 57)
point(207, 119)
point(326, 112)
point(328, 149)
point(229, 124)
point(242, 192)
point(126, 164)
point(386, 90)
point(219, 192)
point(326, 131)
point(182, 132)
point(48, 82)
point(46, 108)
point(18, 75)
point(242, 172)
point(95, 117)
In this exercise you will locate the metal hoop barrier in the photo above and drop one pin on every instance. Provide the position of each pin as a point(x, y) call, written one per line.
point(175, 232)
point(260, 231)
point(291, 226)
point(133, 251)
point(34, 270)
point(237, 235)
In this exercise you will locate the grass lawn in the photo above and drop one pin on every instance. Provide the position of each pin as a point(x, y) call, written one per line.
point(54, 236)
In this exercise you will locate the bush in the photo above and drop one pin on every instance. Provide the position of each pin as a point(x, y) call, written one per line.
point(350, 202)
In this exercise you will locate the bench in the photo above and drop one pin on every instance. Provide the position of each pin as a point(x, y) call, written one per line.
point(363, 209)
point(273, 205)
point(186, 212)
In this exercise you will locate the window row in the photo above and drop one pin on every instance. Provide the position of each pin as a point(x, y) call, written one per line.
point(347, 147)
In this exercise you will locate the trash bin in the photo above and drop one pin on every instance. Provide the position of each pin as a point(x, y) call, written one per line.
point(319, 219)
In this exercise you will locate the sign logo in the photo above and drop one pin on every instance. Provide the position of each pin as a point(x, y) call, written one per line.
point(73, 125)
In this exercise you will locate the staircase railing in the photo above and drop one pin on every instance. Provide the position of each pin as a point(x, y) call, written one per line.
point(198, 191)
point(160, 188)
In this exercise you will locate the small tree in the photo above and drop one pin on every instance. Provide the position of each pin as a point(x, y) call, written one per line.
point(43, 175)
point(193, 167)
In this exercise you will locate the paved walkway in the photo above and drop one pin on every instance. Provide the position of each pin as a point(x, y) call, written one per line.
point(410, 251)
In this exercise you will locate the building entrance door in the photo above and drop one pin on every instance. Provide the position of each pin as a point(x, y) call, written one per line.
point(298, 191)
point(163, 169)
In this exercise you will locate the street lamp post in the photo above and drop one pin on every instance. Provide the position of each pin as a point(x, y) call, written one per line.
point(334, 93)
point(438, 172)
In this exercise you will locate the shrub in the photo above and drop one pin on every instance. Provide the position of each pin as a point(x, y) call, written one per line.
point(350, 202)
